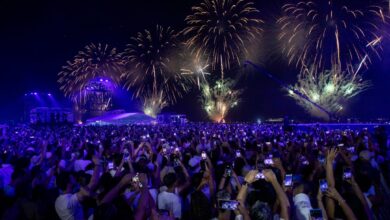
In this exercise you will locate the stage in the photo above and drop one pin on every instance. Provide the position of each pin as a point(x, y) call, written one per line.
point(121, 117)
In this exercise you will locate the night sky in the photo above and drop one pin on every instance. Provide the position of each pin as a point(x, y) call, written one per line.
point(38, 37)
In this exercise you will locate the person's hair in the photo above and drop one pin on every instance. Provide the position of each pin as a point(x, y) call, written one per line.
point(224, 195)
point(260, 211)
point(196, 179)
point(200, 206)
point(63, 180)
point(170, 179)
point(105, 211)
point(17, 174)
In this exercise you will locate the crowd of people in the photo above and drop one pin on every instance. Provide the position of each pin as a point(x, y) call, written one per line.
point(193, 171)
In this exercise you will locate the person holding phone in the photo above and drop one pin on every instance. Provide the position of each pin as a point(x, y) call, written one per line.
point(270, 177)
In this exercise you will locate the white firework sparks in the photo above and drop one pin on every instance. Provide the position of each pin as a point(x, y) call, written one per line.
point(218, 100)
point(331, 89)
point(153, 104)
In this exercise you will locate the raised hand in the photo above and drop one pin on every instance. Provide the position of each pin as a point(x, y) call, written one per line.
point(269, 175)
point(251, 176)
point(332, 193)
point(332, 154)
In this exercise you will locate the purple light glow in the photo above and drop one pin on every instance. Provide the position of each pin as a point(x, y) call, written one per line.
point(101, 80)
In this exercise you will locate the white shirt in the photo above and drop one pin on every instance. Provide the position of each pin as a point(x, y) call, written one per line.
point(302, 206)
point(68, 207)
point(171, 202)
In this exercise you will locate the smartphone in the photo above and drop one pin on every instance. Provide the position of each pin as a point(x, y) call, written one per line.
point(135, 180)
point(351, 150)
point(304, 160)
point(316, 214)
point(204, 155)
point(268, 143)
point(110, 165)
point(323, 185)
point(228, 171)
point(296, 178)
point(238, 153)
point(228, 204)
point(176, 162)
point(268, 161)
point(260, 175)
point(321, 159)
point(347, 174)
point(288, 180)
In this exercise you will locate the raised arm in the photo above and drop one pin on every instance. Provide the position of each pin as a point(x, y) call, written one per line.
point(187, 177)
point(333, 194)
point(241, 196)
point(330, 157)
point(321, 204)
point(85, 192)
point(282, 197)
point(114, 192)
point(358, 192)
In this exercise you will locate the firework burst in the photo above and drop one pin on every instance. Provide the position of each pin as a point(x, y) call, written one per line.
point(218, 100)
point(328, 32)
point(153, 104)
point(151, 71)
point(95, 61)
point(331, 89)
point(220, 31)
point(197, 71)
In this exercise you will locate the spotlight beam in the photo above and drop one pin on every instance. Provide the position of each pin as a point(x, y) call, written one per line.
point(286, 86)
